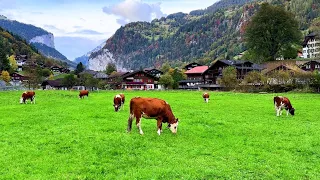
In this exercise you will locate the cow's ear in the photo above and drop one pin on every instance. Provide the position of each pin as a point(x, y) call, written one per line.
point(177, 120)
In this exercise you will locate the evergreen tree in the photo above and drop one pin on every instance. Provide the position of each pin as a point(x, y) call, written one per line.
point(79, 68)
point(4, 61)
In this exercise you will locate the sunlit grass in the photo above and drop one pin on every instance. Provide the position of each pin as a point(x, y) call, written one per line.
point(233, 136)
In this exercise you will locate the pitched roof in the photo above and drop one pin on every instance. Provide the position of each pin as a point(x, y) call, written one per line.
point(197, 70)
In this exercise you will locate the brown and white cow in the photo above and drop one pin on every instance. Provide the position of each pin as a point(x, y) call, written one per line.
point(83, 93)
point(206, 97)
point(152, 108)
point(118, 102)
point(28, 95)
point(281, 103)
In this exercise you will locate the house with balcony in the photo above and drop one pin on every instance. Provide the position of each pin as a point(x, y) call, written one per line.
point(311, 46)
point(21, 60)
point(194, 78)
point(212, 75)
point(140, 80)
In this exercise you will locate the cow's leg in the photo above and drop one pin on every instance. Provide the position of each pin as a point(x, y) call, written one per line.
point(287, 112)
point(131, 116)
point(138, 123)
point(159, 125)
point(278, 111)
point(34, 100)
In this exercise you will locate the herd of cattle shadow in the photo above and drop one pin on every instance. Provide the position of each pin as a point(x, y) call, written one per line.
point(154, 108)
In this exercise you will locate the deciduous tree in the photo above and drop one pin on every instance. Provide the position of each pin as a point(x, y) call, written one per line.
point(166, 80)
point(229, 77)
point(111, 67)
point(271, 32)
point(5, 76)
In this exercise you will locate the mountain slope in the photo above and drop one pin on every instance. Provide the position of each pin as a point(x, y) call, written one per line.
point(215, 33)
point(40, 38)
point(84, 59)
point(15, 45)
point(52, 53)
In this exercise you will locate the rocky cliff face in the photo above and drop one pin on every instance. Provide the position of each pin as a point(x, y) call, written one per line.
point(46, 39)
point(84, 59)
point(100, 62)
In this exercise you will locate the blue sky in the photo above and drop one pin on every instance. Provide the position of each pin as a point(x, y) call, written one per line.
point(81, 25)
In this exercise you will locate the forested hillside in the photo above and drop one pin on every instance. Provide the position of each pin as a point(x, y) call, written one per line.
point(15, 45)
point(40, 38)
point(202, 35)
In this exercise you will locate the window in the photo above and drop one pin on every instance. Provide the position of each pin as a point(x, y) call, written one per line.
point(308, 66)
point(317, 66)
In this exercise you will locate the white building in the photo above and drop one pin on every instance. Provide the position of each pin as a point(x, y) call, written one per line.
point(311, 46)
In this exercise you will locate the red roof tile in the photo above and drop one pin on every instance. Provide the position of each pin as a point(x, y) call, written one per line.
point(198, 70)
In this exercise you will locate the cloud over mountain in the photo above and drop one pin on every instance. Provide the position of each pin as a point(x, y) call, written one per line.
point(134, 10)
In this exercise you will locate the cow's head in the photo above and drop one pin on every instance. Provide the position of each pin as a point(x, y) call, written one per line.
point(116, 107)
point(174, 127)
point(291, 111)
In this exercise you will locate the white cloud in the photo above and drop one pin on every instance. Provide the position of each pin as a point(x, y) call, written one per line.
point(134, 10)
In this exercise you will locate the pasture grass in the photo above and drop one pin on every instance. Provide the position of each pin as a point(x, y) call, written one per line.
point(234, 136)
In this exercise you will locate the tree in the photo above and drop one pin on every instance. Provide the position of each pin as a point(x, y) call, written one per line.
point(165, 67)
point(13, 63)
point(229, 77)
point(5, 76)
point(46, 72)
point(177, 75)
point(315, 25)
point(271, 32)
point(315, 83)
point(79, 68)
point(4, 61)
point(111, 67)
point(69, 81)
point(166, 80)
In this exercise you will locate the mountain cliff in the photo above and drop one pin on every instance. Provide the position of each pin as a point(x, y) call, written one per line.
point(84, 59)
point(40, 38)
point(202, 35)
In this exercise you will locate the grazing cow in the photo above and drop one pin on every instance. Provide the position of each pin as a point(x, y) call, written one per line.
point(283, 103)
point(28, 95)
point(83, 93)
point(118, 101)
point(206, 97)
point(152, 108)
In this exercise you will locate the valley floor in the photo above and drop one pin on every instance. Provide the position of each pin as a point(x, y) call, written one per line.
point(234, 136)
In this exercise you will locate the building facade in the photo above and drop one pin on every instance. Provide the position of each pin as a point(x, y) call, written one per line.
point(311, 46)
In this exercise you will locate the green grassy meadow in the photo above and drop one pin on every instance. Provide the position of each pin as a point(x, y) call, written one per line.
point(234, 136)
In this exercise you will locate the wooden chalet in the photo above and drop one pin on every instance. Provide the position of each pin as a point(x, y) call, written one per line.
point(115, 79)
point(21, 60)
point(139, 80)
point(53, 84)
point(310, 65)
point(18, 77)
point(59, 69)
point(214, 72)
point(194, 78)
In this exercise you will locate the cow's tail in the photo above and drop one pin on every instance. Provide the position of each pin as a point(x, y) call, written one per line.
point(274, 100)
point(131, 116)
